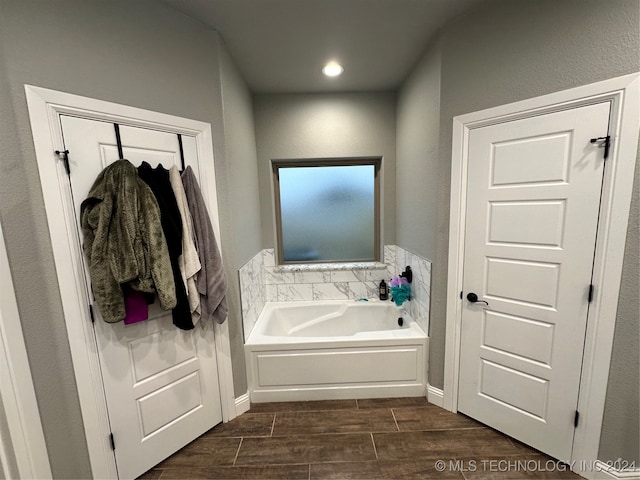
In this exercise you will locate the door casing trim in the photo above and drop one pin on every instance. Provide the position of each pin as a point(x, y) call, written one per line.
point(23, 450)
point(624, 95)
point(45, 107)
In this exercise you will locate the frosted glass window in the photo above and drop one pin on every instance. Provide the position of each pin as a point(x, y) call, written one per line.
point(327, 213)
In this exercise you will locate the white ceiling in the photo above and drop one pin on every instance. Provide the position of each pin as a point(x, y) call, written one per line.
point(281, 45)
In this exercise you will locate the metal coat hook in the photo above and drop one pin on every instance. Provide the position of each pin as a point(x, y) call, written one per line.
point(181, 152)
point(64, 155)
point(118, 140)
point(607, 144)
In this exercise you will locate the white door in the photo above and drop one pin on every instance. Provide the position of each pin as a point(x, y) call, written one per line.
point(532, 212)
point(161, 383)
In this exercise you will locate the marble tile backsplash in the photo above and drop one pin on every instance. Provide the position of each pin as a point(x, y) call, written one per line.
point(420, 286)
point(261, 281)
point(252, 291)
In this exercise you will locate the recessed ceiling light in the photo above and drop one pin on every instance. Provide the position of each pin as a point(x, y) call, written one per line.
point(332, 69)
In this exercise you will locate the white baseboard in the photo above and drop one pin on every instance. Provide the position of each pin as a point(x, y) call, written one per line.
point(293, 394)
point(435, 396)
point(604, 471)
point(243, 403)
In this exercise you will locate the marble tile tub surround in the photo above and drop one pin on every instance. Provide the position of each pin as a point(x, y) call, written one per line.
point(252, 286)
point(261, 281)
point(421, 284)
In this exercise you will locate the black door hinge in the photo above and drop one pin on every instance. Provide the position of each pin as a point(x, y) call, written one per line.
point(64, 154)
point(607, 144)
point(590, 297)
point(93, 319)
point(575, 419)
point(460, 295)
point(112, 441)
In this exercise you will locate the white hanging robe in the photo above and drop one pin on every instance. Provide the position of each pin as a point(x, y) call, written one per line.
point(189, 262)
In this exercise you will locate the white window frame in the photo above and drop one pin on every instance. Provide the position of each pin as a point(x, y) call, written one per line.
point(376, 162)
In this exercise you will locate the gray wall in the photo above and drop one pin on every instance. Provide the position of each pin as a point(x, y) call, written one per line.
point(5, 109)
point(621, 432)
point(243, 210)
point(417, 133)
point(138, 53)
point(321, 126)
point(506, 51)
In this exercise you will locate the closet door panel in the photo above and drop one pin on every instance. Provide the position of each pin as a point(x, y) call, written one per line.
point(161, 383)
point(87, 158)
point(190, 149)
point(156, 148)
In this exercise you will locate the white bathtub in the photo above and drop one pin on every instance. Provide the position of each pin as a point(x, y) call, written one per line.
point(335, 349)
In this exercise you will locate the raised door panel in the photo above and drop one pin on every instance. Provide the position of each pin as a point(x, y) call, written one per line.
point(532, 211)
point(161, 383)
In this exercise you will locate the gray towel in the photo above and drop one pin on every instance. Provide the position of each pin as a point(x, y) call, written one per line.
point(211, 281)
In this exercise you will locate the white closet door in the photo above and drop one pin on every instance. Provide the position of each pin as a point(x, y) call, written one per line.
point(533, 199)
point(161, 383)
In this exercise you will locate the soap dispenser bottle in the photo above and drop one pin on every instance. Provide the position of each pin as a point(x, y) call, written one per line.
point(383, 290)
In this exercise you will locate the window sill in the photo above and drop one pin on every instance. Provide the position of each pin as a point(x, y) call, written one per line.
point(325, 267)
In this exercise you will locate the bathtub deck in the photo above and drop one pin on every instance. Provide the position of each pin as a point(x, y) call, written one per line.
point(355, 439)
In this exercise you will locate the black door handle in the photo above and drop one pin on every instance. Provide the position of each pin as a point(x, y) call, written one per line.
point(473, 298)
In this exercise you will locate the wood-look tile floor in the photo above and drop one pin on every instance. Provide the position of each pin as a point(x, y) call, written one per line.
point(389, 438)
